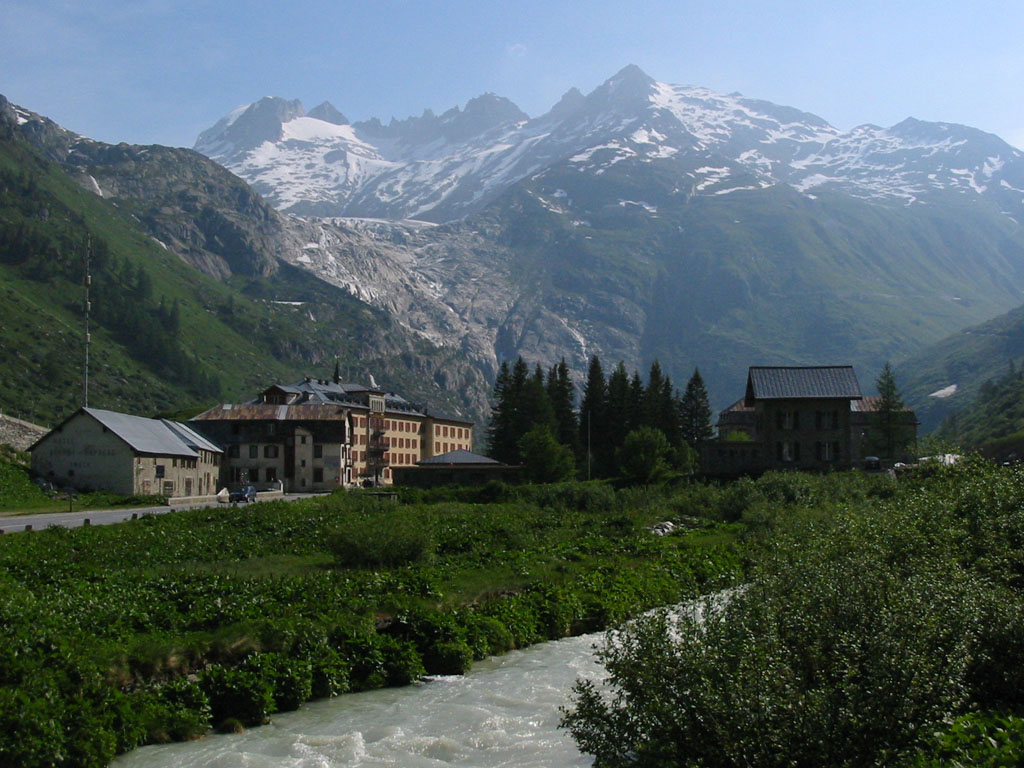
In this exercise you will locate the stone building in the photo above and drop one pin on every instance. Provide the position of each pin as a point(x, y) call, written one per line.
point(789, 418)
point(94, 449)
point(794, 417)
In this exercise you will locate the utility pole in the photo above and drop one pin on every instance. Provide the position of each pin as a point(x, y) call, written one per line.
point(87, 307)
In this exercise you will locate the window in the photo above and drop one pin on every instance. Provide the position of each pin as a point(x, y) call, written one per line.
point(270, 428)
point(318, 451)
point(254, 451)
point(270, 474)
point(302, 439)
point(233, 451)
point(168, 488)
point(174, 462)
point(159, 470)
point(270, 451)
point(835, 419)
point(318, 475)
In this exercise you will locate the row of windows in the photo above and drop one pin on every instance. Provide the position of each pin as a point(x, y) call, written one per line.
point(394, 425)
point(270, 451)
point(393, 458)
point(822, 419)
point(789, 450)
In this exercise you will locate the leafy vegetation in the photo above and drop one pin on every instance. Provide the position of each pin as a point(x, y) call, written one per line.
point(168, 626)
point(873, 617)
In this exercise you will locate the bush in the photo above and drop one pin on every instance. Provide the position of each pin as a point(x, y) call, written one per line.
point(979, 740)
point(292, 680)
point(487, 636)
point(180, 711)
point(245, 693)
point(401, 662)
point(381, 541)
point(330, 674)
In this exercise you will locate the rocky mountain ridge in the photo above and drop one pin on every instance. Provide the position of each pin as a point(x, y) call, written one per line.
point(447, 167)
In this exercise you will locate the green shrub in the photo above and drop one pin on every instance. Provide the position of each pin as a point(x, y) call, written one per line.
point(979, 740)
point(244, 693)
point(401, 662)
point(448, 657)
point(487, 636)
point(292, 680)
point(359, 649)
point(180, 711)
point(330, 674)
point(31, 729)
point(381, 540)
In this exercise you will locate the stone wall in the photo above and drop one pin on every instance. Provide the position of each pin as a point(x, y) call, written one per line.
point(19, 434)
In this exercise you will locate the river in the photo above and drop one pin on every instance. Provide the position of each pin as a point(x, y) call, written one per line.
point(505, 712)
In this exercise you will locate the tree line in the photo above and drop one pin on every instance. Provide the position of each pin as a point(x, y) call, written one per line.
point(623, 427)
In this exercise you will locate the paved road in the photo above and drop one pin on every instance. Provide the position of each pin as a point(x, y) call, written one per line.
point(108, 516)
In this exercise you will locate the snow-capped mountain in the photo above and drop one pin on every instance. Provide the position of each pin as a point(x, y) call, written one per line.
point(440, 168)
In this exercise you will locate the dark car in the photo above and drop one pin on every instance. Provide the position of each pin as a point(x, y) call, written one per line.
point(244, 493)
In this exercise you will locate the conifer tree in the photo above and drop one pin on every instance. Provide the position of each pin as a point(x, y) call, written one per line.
point(502, 435)
point(636, 402)
point(618, 415)
point(593, 424)
point(695, 412)
point(561, 395)
point(891, 430)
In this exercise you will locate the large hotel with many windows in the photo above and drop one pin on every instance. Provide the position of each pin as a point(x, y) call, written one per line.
point(317, 435)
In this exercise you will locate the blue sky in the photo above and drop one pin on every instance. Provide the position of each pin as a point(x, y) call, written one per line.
point(160, 71)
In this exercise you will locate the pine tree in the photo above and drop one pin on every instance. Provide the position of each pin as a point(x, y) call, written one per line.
point(618, 415)
point(561, 394)
point(499, 445)
point(593, 422)
point(695, 412)
point(891, 429)
point(636, 402)
point(653, 410)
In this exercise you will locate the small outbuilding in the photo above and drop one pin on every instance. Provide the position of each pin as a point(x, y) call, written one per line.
point(94, 449)
point(459, 467)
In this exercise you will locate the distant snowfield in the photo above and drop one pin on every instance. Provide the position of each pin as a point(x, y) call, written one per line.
point(945, 392)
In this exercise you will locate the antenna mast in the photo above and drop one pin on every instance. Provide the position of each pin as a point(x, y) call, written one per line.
point(87, 307)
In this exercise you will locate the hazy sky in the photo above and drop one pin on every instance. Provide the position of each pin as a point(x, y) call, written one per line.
point(160, 71)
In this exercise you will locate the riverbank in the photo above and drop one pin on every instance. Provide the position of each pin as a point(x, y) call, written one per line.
point(165, 627)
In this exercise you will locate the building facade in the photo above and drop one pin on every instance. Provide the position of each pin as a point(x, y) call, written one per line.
point(317, 435)
point(789, 418)
point(95, 449)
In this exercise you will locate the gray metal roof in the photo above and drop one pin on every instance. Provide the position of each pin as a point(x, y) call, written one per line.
point(804, 382)
point(144, 435)
point(191, 438)
point(458, 457)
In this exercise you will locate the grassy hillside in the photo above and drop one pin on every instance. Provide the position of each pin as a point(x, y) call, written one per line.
point(966, 359)
point(165, 336)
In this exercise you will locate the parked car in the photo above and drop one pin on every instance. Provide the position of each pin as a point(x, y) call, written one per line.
point(244, 493)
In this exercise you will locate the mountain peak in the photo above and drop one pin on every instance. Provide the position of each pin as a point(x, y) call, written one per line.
point(571, 101)
point(328, 113)
point(631, 77)
point(248, 127)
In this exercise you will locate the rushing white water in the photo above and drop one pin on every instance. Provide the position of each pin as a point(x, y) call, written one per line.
point(505, 712)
